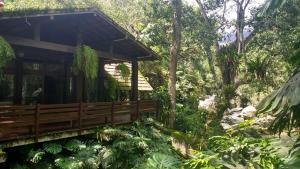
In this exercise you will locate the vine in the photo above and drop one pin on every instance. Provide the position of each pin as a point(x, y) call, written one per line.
point(7, 54)
point(124, 71)
point(85, 62)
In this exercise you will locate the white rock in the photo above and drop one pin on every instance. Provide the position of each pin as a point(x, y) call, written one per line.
point(226, 126)
point(207, 103)
point(248, 112)
point(236, 110)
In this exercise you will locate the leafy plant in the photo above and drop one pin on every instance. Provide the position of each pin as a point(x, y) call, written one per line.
point(201, 160)
point(53, 148)
point(124, 71)
point(86, 62)
point(62, 155)
point(141, 145)
point(7, 54)
point(244, 152)
point(293, 160)
point(284, 105)
point(162, 161)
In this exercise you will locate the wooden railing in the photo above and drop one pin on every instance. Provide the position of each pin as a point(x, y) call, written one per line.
point(27, 121)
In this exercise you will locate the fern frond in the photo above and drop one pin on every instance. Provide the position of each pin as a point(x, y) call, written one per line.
point(53, 148)
point(36, 156)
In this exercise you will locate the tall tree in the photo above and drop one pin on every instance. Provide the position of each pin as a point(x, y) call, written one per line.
point(174, 52)
point(240, 24)
point(208, 48)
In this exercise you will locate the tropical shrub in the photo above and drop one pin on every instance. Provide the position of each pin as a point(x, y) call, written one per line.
point(233, 150)
point(140, 145)
point(284, 105)
point(63, 154)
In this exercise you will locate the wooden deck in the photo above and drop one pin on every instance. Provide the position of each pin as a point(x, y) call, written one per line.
point(28, 121)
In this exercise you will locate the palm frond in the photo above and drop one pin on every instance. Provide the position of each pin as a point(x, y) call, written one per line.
point(271, 5)
point(284, 105)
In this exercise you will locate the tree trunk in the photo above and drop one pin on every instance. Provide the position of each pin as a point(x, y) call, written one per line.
point(240, 27)
point(174, 51)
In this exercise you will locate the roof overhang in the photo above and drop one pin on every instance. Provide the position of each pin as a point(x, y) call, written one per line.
point(63, 26)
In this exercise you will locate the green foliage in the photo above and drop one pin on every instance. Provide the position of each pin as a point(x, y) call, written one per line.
point(162, 161)
point(124, 71)
point(201, 160)
point(141, 145)
point(236, 150)
point(63, 154)
point(293, 160)
point(161, 94)
point(85, 62)
point(7, 54)
point(112, 87)
point(272, 5)
point(74, 145)
point(284, 105)
point(53, 148)
point(36, 156)
point(192, 120)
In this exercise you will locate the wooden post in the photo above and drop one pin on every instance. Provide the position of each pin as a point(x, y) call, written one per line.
point(37, 121)
point(44, 98)
point(101, 73)
point(112, 112)
point(66, 96)
point(138, 110)
point(79, 116)
point(37, 32)
point(134, 80)
point(18, 81)
point(79, 78)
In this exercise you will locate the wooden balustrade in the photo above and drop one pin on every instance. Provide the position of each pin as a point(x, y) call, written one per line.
point(28, 121)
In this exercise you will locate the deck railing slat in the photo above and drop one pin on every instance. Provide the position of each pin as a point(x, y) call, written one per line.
point(33, 121)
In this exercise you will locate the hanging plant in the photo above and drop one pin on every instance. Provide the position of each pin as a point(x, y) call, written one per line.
point(85, 62)
point(112, 87)
point(7, 53)
point(124, 71)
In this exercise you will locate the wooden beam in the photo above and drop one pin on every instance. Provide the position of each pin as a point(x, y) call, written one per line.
point(18, 81)
point(101, 73)
point(19, 41)
point(37, 32)
point(134, 80)
point(67, 75)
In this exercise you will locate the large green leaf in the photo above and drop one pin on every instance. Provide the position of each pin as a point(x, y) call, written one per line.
point(283, 104)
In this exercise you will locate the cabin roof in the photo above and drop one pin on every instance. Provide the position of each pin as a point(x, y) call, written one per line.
point(62, 26)
point(125, 84)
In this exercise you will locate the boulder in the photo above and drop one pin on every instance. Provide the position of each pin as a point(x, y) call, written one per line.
point(226, 126)
point(208, 102)
point(264, 121)
point(232, 117)
point(248, 112)
point(236, 110)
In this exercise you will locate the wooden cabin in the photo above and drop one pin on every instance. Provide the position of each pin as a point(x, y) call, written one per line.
point(42, 96)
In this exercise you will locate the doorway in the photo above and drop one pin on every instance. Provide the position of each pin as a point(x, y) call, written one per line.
point(53, 90)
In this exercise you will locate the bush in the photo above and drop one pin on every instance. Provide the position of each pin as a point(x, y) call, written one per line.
point(229, 151)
